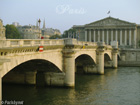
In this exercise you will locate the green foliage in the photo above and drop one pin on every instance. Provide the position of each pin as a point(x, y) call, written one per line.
point(55, 37)
point(12, 32)
point(69, 32)
point(65, 34)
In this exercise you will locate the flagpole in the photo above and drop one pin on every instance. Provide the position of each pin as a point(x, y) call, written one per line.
point(108, 13)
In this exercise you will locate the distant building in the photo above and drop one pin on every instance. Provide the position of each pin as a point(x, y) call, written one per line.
point(15, 24)
point(47, 32)
point(33, 32)
point(29, 31)
point(2, 30)
point(110, 29)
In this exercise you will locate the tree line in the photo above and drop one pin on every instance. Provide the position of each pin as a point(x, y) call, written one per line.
point(13, 33)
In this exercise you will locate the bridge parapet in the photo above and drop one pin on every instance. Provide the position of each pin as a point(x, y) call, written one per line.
point(38, 42)
point(70, 41)
point(29, 42)
point(103, 45)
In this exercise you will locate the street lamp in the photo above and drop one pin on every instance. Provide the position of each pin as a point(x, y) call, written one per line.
point(39, 21)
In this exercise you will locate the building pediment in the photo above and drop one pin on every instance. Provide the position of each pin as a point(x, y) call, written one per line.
point(110, 22)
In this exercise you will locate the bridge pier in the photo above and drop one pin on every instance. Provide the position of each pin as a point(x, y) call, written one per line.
point(69, 69)
point(114, 57)
point(90, 69)
point(1, 63)
point(54, 79)
point(108, 64)
point(101, 62)
point(30, 77)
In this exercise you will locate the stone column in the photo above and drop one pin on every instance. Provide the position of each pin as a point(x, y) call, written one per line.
point(111, 35)
point(69, 69)
point(101, 62)
point(116, 39)
point(94, 35)
point(114, 57)
point(125, 37)
point(130, 37)
point(120, 37)
point(85, 35)
point(98, 36)
point(135, 38)
point(107, 38)
point(103, 36)
point(89, 35)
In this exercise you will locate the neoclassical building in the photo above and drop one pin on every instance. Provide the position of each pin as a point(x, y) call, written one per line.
point(110, 29)
point(2, 30)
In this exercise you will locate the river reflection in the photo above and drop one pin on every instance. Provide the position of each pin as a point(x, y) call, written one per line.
point(117, 87)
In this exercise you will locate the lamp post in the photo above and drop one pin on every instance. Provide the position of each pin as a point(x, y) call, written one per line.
point(39, 21)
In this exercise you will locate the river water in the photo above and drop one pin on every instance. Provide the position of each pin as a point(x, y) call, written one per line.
point(117, 87)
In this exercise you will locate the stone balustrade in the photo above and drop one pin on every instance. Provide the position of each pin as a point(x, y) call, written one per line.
point(38, 42)
point(29, 42)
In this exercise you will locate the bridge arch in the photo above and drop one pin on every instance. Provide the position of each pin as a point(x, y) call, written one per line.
point(107, 57)
point(17, 60)
point(37, 65)
point(35, 71)
point(109, 54)
point(82, 61)
point(90, 53)
point(119, 57)
point(107, 60)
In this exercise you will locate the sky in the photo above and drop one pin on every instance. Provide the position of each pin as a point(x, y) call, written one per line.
point(63, 14)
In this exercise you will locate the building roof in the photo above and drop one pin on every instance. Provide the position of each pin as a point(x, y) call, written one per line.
point(108, 21)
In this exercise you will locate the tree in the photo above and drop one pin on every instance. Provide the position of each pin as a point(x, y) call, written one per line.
point(55, 37)
point(12, 32)
point(65, 34)
point(71, 33)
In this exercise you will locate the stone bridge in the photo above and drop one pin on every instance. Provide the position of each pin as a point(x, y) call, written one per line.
point(56, 64)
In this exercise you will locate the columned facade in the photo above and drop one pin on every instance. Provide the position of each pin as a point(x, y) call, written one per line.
point(111, 29)
point(85, 35)
point(123, 36)
point(103, 36)
point(130, 40)
point(135, 38)
point(120, 37)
